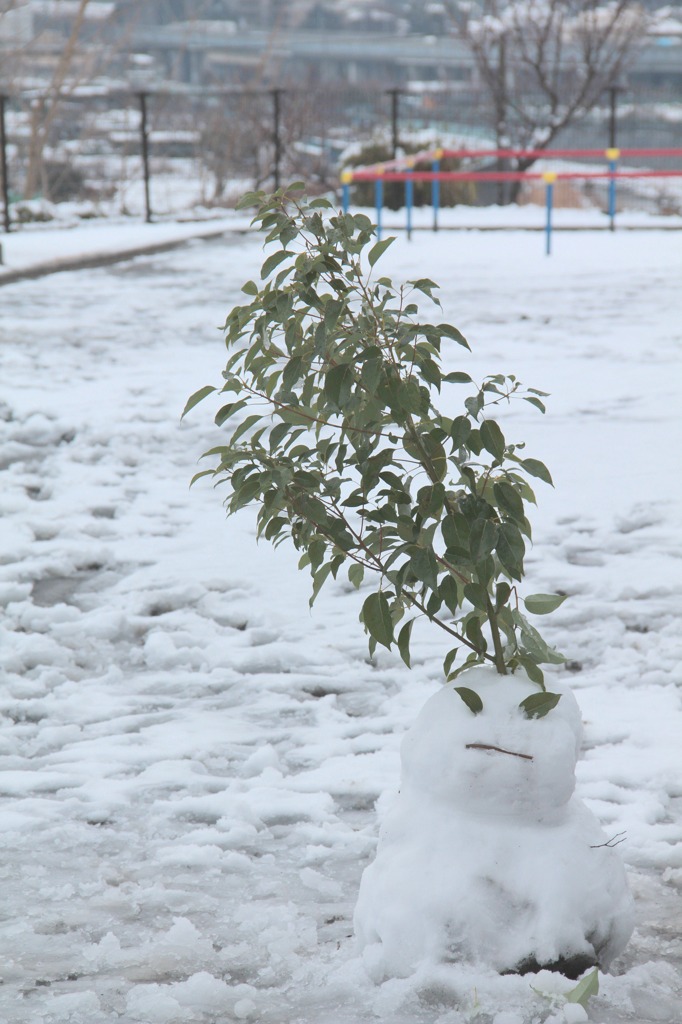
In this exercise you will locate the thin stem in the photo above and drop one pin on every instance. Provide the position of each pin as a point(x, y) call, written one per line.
point(443, 625)
point(497, 640)
point(451, 569)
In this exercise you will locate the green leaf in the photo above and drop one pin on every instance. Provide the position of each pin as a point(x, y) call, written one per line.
point(338, 383)
point(449, 661)
point(198, 476)
point(356, 574)
point(430, 453)
point(273, 261)
point(502, 592)
point(431, 372)
point(250, 199)
point(378, 249)
point(425, 285)
point(242, 429)
point(536, 402)
point(539, 704)
point(534, 644)
point(292, 372)
point(448, 331)
point(316, 551)
point(404, 641)
point(474, 404)
point(543, 604)
point(586, 987)
point(424, 566)
point(470, 698)
point(460, 430)
point(493, 439)
point(475, 634)
point(277, 435)
point(477, 594)
point(376, 616)
point(430, 501)
point(245, 493)
point(482, 539)
point(457, 377)
point(456, 532)
point(319, 578)
point(371, 373)
point(449, 593)
point(197, 397)
point(509, 500)
point(229, 410)
point(250, 288)
point(511, 549)
point(538, 469)
point(532, 670)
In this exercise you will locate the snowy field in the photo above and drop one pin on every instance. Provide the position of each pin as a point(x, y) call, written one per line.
point(192, 761)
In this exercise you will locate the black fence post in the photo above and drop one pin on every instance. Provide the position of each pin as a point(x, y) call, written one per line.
point(144, 145)
point(3, 164)
point(277, 134)
point(613, 114)
point(395, 120)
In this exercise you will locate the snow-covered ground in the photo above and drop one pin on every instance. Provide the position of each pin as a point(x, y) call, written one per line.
point(191, 759)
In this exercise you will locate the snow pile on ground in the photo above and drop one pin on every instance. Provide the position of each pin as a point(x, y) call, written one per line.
point(487, 856)
point(191, 760)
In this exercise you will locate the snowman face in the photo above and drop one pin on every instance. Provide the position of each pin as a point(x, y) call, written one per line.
point(498, 761)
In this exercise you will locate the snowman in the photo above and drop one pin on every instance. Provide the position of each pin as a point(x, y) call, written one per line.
point(487, 855)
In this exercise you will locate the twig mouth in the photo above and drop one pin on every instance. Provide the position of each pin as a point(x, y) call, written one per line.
point(499, 750)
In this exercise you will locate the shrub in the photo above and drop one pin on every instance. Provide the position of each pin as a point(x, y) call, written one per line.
point(342, 450)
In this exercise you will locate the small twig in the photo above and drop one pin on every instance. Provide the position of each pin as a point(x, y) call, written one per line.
point(486, 746)
point(613, 841)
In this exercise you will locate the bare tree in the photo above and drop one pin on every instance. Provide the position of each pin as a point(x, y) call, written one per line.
point(546, 63)
point(45, 108)
point(51, 54)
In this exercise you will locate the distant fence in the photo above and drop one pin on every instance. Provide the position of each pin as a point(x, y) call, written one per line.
point(559, 165)
point(156, 153)
point(485, 166)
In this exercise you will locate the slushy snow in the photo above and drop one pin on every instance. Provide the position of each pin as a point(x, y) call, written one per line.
point(194, 764)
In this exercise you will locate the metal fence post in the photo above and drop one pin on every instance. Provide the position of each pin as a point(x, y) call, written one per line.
point(277, 133)
point(613, 106)
point(3, 164)
point(395, 117)
point(379, 201)
point(435, 187)
point(612, 155)
point(613, 149)
point(409, 201)
point(144, 145)
point(549, 178)
point(346, 180)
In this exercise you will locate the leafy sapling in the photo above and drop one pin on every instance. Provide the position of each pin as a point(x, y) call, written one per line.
point(335, 437)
